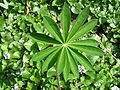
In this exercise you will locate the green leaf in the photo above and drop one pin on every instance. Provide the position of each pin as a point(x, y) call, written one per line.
point(51, 72)
point(71, 1)
point(84, 29)
point(89, 42)
point(38, 37)
point(81, 59)
point(34, 79)
point(57, 3)
point(65, 20)
point(92, 59)
point(26, 74)
point(88, 49)
point(28, 45)
point(91, 74)
point(61, 61)
point(73, 64)
point(43, 1)
point(2, 22)
point(52, 28)
point(38, 27)
point(5, 5)
point(79, 22)
point(50, 61)
point(66, 68)
point(43, 53)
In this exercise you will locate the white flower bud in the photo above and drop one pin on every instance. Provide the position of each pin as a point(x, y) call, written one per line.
point(115, 88)
point(16, 87)
point(21, 40)
point(81, 69)
point(7, 56)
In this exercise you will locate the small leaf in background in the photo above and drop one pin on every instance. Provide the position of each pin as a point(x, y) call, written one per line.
point(31, 86)
point(43, 1)
point(43, 10)
point(1, 23)
point(0, 53)
point(5, 5)
point(57, 3)
point(26, 74)
point(51, 72)
point(92, 59)
point(71, 1)
point(16, 54)
point(76, 8)
point(28, 45)
point(37, 27)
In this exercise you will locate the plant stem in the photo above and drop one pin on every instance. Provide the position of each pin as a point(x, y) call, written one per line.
point(58, 81)
point(75, 83)
point(58, 78)
point(103, 47)
point(27, 7)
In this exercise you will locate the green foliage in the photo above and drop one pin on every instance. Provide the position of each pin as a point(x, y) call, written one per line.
point(21, 58)
point(64, 44)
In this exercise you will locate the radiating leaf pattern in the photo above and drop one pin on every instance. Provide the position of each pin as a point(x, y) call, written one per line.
point(64, 54)
point(79, 22)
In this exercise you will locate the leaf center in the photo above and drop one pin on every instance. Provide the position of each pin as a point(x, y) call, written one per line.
point(65, 45)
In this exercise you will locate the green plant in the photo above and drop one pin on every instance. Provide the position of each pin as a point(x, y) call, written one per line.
point(18, 71)
point(66, 53)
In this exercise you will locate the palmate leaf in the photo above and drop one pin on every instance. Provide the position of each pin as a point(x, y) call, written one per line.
point(84, 29)
point(88, 49)
point(89, 42)
point(66, 70)
point(65, 51)
point(38, 37)
point(81, 59)
point(79, 22)
point(73, 64)
point(43, 53)
point(51, 59)
point(61, 61)
point(52, 28)
point(65, 20)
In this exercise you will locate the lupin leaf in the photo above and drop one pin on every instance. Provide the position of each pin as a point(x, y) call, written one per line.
point(84, 29)
point(89, 42)
point(81, 59)
point(65, 20)
point(52, 28)
point(88, 49)
point(38, 37)
point(79, 22)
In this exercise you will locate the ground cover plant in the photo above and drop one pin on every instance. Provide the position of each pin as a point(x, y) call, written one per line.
point(24, 61)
